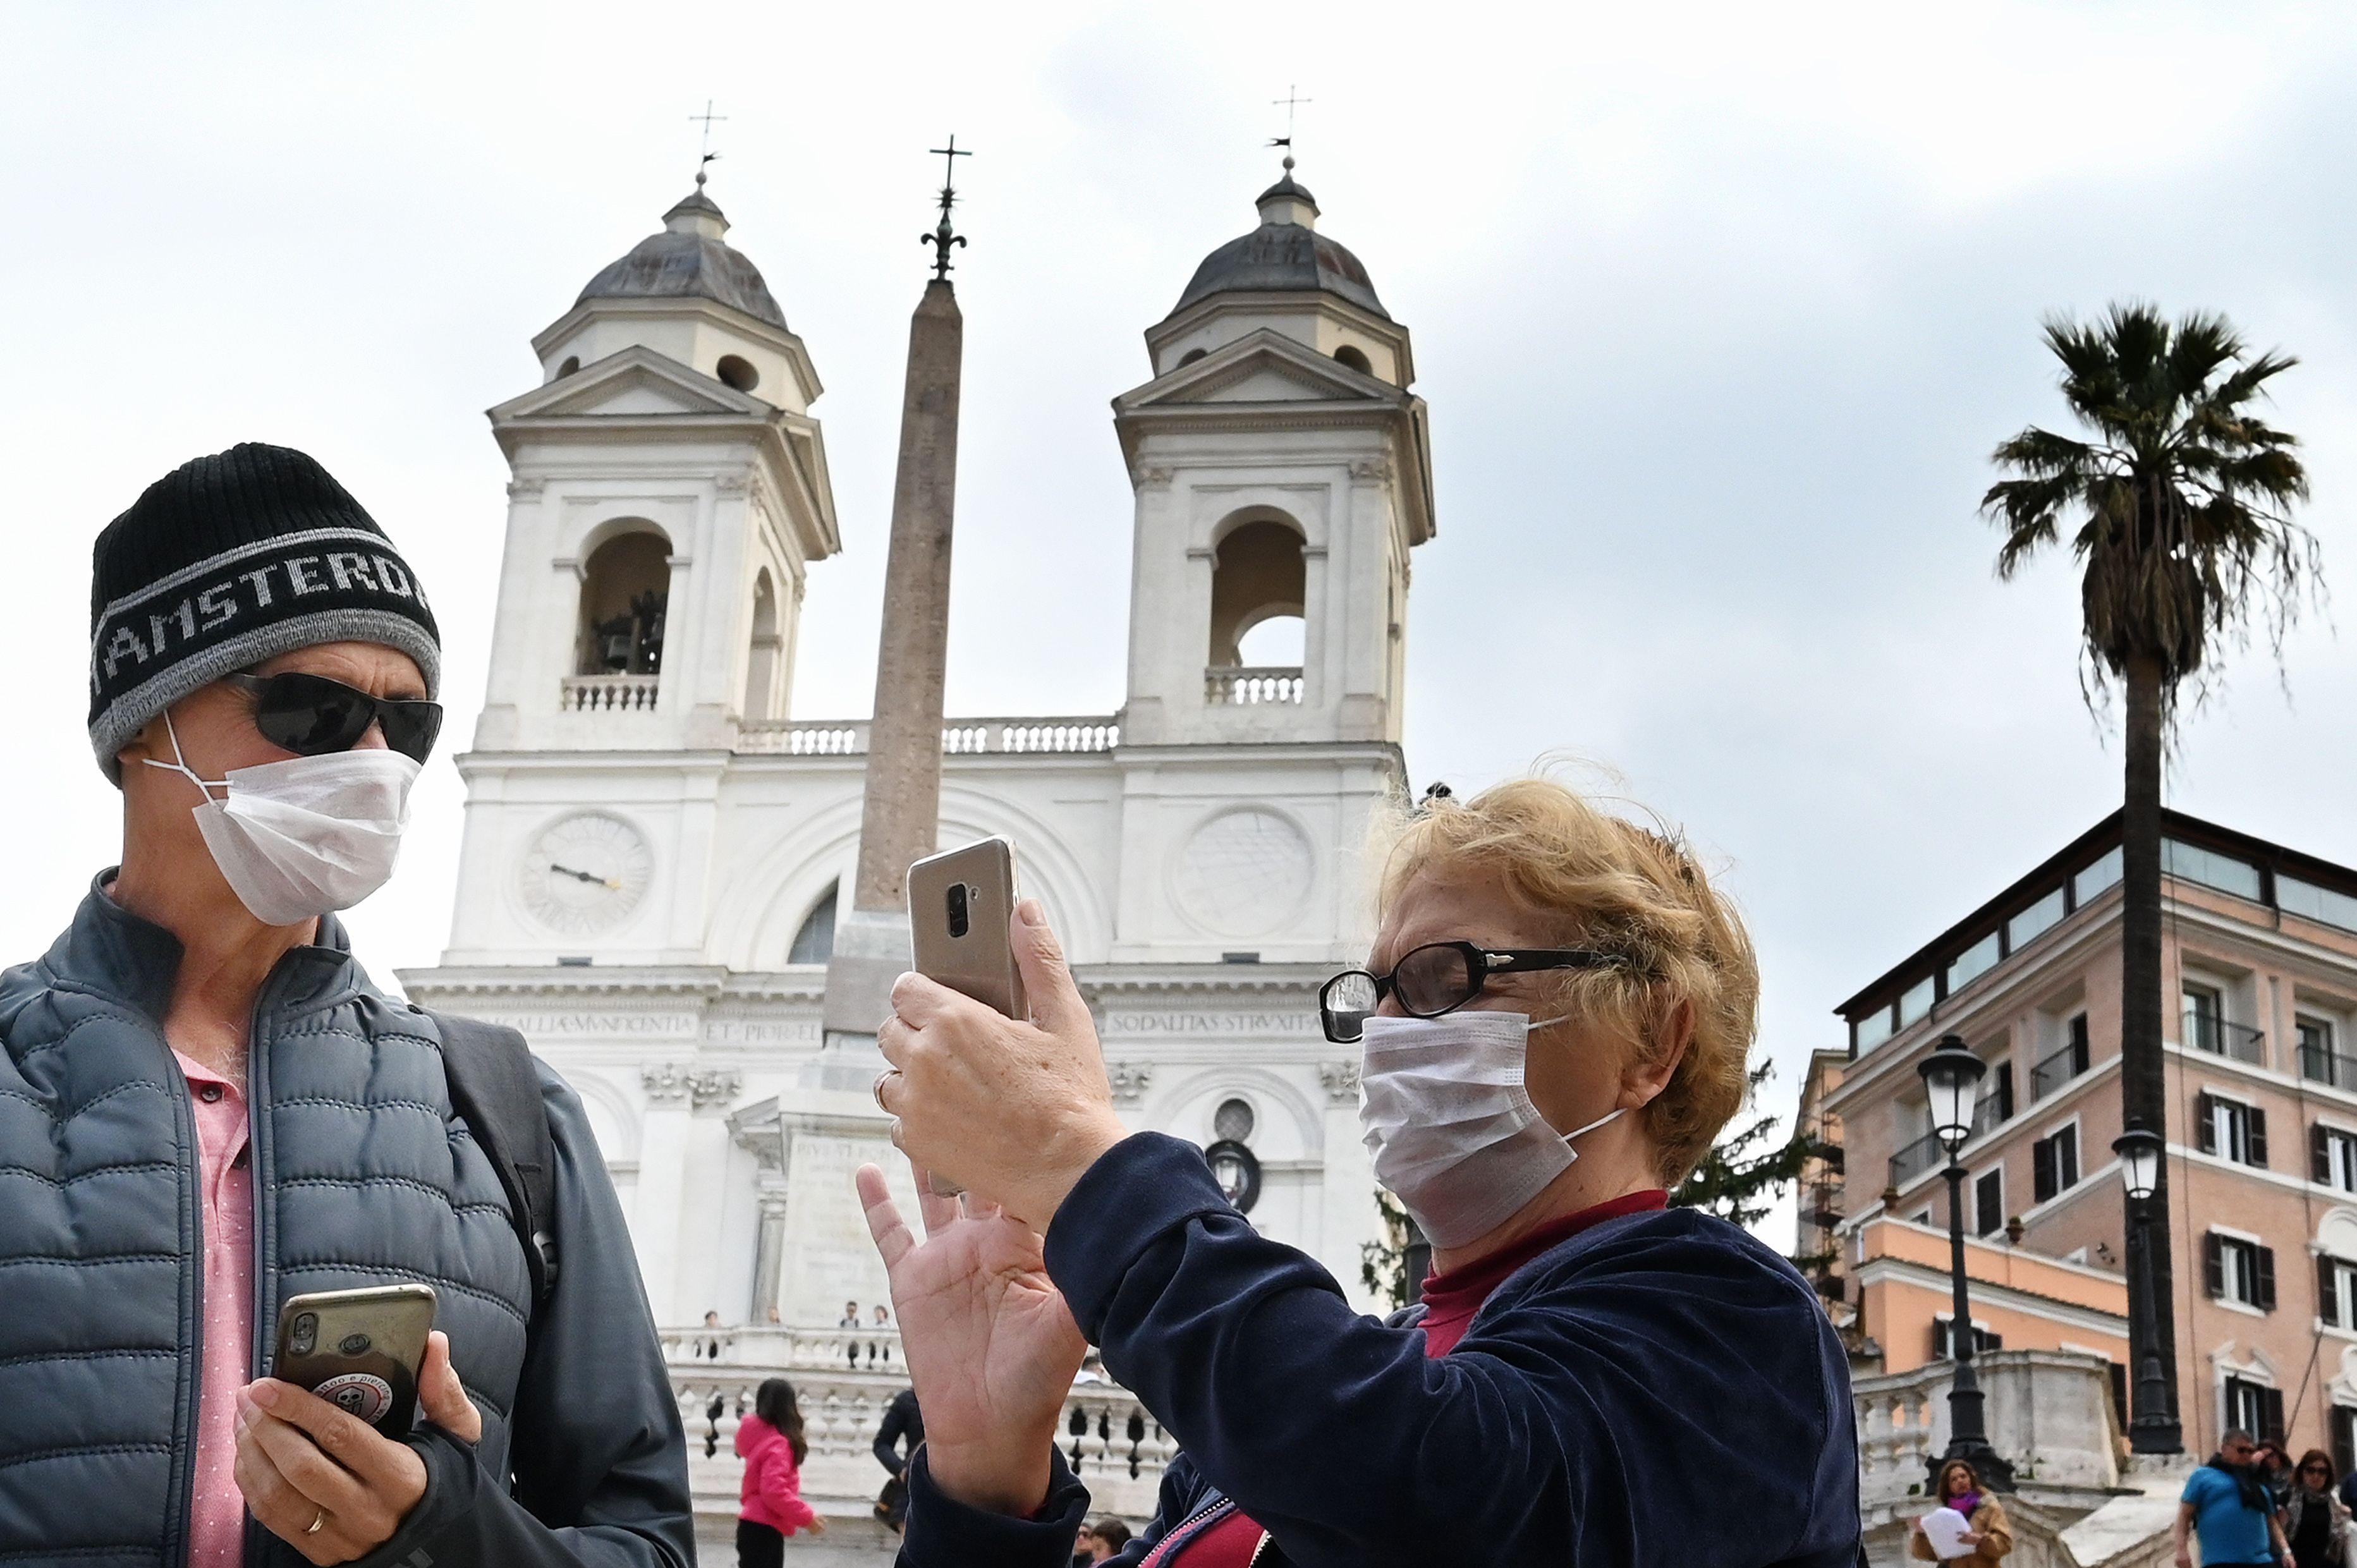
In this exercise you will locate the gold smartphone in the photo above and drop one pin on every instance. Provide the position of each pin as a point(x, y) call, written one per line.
point(358, 1349)
point(959, 902)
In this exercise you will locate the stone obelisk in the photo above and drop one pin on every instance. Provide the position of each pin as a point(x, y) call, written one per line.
point(901, 812)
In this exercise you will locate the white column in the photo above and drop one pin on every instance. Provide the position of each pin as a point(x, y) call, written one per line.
point(663, 1171)
point(1348, 1220)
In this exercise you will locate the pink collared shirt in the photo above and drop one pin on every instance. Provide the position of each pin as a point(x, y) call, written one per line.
point(217, 1518)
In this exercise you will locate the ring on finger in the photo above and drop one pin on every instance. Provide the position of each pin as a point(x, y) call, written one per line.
point(889, 1072)
point(317, 1521)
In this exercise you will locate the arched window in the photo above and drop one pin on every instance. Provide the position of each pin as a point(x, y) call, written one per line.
point(1191, 355)
point(572, 363)
point(814, 943)
point(1355, 359)
point(768, 654)
point(625, 590)
point(1257, 576)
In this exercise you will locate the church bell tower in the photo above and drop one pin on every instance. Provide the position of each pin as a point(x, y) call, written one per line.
point(669, 493)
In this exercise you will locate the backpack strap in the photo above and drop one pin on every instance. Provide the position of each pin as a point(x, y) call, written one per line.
point(495, 1088)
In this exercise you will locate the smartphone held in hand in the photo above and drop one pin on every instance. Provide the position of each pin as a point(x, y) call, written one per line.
point(359, 1350)
point(959, 902)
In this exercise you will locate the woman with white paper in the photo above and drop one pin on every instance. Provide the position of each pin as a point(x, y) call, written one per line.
point(1986, 1535)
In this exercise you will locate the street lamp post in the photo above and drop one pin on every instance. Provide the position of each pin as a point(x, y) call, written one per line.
point(1952, 1076)
point(2155, 1429)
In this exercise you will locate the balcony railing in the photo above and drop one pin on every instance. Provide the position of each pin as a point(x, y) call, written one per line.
point(836, 738)
point(2209, 1032)
point(1915, 1158)
point(2058, 1069)
point(2322, 1064)
point(1241, 685)
point(609, 693)
point(1824, 1205)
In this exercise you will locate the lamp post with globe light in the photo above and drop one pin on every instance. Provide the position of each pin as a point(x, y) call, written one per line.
point(1952, 1076)
point(2155, 1429)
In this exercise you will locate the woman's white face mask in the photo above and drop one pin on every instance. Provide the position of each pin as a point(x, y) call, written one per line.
point(299, 838)
point(1449, 1120)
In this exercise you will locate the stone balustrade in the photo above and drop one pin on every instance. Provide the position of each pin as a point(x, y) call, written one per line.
point(2049, 1412)
point(844, 1380)
point(837, 737)
point(609, 693)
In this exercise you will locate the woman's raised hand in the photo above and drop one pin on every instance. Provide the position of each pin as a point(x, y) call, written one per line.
point(992, 1349)
point(1016, 1112)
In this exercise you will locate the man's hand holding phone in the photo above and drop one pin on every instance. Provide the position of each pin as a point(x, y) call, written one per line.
point(324, 1481)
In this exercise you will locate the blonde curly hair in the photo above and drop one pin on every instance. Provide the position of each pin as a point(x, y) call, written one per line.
point(1601, 881)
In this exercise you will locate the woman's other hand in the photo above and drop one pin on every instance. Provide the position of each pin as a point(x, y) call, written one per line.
point(991, 1348)
point(1016, 1112)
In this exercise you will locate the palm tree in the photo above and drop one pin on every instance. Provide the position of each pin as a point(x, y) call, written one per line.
point(2184, 499)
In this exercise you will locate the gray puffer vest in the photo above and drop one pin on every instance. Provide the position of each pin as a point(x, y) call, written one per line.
point(362, 1174)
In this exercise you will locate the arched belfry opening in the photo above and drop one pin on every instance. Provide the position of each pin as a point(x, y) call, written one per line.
point(814, 942)
point(767, 658)
point(1259, 582)
point(625, 595)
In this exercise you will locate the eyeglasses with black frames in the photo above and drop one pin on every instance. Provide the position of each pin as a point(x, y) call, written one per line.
point(311, 714)
point(1437, 978)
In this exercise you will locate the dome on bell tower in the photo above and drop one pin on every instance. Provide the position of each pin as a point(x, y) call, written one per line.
point(689, 260)
point(1285, 254)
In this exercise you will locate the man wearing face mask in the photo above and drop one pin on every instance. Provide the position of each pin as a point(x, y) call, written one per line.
point(1552, 1028)
point(206, 1107)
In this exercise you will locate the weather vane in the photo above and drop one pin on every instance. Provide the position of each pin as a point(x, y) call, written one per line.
point(708, 154)
point(1289, 103)
point(941, 239)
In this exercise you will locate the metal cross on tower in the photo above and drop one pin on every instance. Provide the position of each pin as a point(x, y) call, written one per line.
point(1289, 103)
point(705, 154)
point(941, 239)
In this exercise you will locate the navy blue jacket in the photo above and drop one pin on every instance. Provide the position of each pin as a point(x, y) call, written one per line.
point(1660, 1388)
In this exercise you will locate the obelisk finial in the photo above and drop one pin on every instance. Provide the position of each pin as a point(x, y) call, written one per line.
point(941, 238)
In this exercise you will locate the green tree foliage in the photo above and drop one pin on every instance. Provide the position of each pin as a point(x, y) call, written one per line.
point(1745, 1171)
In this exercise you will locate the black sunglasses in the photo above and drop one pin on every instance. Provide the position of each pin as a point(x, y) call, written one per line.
point(1437, 978)
point(311, 716)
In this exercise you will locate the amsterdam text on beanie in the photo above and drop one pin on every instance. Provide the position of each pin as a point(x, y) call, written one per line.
point(230, 560)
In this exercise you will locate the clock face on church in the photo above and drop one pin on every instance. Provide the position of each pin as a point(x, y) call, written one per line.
point(586, 872)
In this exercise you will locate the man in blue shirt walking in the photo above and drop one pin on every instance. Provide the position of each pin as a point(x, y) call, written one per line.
point(2226, 1505)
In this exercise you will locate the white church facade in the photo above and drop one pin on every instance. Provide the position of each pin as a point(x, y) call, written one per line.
point(654, 844)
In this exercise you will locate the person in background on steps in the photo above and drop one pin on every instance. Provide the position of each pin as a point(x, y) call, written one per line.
point(903, 1422)
point(769, 1498)
point(2226, 1504)
point(1991, 1536)
point(2315, 1521)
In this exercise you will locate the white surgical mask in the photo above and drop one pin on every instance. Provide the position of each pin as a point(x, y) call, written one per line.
point(298, 838)
point(1450, 1123)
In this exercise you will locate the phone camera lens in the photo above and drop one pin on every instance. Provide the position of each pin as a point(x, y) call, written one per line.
point(306, 1336)
point(354, 1344)
point(960, 920)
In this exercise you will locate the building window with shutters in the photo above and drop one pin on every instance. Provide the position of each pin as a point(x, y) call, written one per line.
point(1944, 1324)
point(2344, 1427)
point(2230, 1129)
point(2253, 1407)
point(2239, 1271)
point(2336, 1292)
point(1988, 1201)
point(2054, 1163)
point(2332, 1156)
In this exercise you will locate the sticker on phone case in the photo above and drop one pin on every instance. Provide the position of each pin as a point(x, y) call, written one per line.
point(358, 1394)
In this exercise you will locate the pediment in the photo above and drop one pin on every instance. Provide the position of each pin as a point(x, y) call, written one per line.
point(637, 383)
point(1262, 367)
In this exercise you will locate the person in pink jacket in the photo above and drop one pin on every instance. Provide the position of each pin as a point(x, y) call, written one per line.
point(771, 1506)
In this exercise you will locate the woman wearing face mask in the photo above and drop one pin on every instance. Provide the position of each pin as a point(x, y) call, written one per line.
point(1553, 1025)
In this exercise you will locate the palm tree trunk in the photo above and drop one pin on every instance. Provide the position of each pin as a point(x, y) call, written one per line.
point(2143, 1084)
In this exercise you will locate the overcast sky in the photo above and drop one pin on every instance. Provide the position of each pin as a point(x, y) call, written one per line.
point(1718, 310)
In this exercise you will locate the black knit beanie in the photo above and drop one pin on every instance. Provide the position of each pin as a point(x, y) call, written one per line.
point(230, 560)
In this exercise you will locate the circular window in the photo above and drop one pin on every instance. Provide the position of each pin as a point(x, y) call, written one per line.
point(1355, 360)
point(738, 373)
point(1191, 355)
point(572, 363)
point(1232, 1123)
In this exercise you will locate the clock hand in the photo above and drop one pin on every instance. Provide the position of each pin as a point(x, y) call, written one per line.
point(581, 875)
